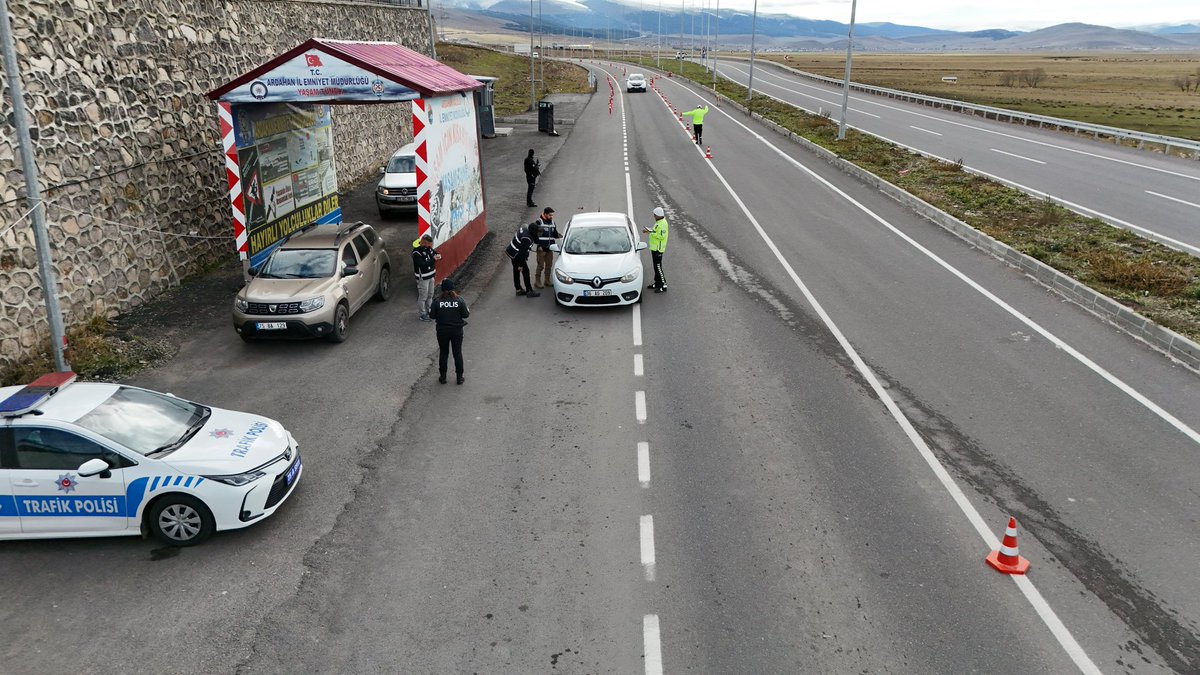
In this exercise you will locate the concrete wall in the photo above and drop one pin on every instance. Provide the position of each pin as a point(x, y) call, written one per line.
point(127, 143)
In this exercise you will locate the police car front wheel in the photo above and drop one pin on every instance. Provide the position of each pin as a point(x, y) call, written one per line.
point(180, 520)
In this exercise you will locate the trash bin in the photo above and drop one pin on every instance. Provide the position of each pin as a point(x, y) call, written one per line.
point(546, 116)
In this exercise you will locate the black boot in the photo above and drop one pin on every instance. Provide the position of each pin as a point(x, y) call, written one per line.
point(460, 379)
point(442, 377)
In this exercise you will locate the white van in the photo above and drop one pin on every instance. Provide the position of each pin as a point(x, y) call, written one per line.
point(397, 189)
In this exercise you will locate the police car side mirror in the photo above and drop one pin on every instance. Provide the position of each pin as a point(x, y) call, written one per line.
point(641, 246)
point(556, 248)
point(94, 467)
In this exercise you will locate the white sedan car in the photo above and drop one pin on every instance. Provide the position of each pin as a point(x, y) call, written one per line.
point(97, 460)
point(598, 262)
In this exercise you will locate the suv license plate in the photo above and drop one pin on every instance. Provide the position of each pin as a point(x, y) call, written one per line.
point(408, 198)
point(594, 294)
point(272, 325)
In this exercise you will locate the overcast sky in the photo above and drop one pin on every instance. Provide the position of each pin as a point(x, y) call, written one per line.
point(975, 14)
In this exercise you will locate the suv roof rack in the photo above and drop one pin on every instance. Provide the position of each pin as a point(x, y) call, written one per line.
point(345, 228)
point(34, 394)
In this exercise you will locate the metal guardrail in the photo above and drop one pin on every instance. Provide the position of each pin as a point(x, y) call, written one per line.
point(1169, 143)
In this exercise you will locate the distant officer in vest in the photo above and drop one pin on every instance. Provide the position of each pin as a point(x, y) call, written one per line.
point(450, 313)
point(425, 258)
point(547, 233)
point(658, 246)
point(697, 114)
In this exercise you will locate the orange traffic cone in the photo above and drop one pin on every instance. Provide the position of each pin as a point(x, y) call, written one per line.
point(708, 152)
point(1007, 559)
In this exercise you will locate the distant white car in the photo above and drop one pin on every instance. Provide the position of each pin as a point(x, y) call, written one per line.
point(598, 262)
point(85, 459)
point(635, 82)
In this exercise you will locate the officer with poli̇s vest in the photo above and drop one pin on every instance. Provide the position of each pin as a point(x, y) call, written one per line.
point(518, 253)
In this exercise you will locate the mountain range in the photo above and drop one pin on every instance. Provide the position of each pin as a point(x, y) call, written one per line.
point(609, 20)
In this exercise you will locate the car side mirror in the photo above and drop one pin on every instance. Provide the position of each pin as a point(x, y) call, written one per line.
point(641, 246)
point(94, 467)
point(556, 248)
point(349, 271)
point(253, 271)
point(382, 170)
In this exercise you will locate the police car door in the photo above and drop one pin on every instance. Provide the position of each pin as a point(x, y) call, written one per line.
point(10, 522)
point(50, 494)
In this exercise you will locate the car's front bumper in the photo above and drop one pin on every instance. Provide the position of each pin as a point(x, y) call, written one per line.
point(396, 203)
point(573, 295)
point(294, 329)
point(263, 497)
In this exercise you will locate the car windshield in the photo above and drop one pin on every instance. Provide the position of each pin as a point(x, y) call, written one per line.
point(637, 76)
point(300, 263)
point(598, 240)
point(404, 164)
point(146, 422)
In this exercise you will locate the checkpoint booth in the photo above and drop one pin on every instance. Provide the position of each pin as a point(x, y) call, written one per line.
point(276, 124)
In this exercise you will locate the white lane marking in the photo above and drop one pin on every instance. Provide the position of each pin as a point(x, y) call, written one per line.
point(1174, 199)
point(639, 406)
point(935, 133)
point(643, 449)
point(637, 325)
point(1027, 159)
point(991, 131)
point(651, 645)
point(647, 537)
point(638, 367)
point(1057, 628)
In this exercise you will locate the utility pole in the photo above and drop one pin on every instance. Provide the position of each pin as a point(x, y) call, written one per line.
point(716, 37)
point(532, 80)
point(846, 82)
point(33, 192)
point(753, 29)
point(541, 53)
point(432, 31)
point(658, 54)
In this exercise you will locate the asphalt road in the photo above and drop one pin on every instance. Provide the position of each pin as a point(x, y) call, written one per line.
point(771, 468)
point(1148, 193)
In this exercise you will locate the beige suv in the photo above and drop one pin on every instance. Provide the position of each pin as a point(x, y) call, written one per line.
point(313, 282)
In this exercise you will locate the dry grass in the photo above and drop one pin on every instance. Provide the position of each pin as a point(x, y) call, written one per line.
point(512, 89)
point(1131, 91)
point(95, 352)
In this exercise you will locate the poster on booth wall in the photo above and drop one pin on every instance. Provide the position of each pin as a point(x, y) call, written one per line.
point(285, 158)
point(452, 187)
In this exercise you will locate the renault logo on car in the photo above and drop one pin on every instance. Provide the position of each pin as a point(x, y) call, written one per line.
point(597, 282)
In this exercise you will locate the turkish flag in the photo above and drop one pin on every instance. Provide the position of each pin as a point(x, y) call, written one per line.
point(312, 60)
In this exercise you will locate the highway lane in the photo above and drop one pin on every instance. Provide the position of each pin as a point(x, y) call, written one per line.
point(1106, 481)
point(1148, 193)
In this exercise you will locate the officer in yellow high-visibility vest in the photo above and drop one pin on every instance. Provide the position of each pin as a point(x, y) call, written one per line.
point(658, 246)
point(697, 114)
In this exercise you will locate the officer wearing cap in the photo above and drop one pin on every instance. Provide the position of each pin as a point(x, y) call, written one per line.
point(658, 246)
point(450, 313)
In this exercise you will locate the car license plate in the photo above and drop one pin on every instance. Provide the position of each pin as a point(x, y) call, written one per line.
point(593, 294)
point(408, 198)
point(292, 472)
point(272, 325)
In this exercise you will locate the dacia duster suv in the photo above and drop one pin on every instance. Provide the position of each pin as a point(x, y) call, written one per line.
point(313, 282)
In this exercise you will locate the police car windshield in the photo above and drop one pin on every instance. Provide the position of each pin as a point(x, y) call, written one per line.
point(144, 421)
point(598, 240)
point(300, 263)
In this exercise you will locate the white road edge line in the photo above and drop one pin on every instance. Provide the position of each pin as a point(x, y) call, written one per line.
point(1010, 154)
point(638, 366)
point(1174, 199)
point(643, 454)
point(651, 645)
point(1043, 609)
point(647, 537)
point(1161, 238)
point(935, 133)
point(639, 405)
point(983, 129)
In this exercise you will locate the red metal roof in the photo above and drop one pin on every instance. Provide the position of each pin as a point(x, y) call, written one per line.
point(386, 59)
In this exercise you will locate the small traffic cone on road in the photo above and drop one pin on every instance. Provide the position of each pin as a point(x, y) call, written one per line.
point(708, 152)
point(1007, 559)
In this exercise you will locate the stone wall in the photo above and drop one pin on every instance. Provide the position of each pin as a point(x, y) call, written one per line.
point(127, 144)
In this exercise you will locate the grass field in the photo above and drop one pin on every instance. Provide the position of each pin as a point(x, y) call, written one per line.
point(1131, 91)
point(512, 89)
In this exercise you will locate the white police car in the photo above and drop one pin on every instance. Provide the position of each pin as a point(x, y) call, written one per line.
point(82, 459)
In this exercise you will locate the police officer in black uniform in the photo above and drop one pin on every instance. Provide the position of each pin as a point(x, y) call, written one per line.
point(518, 252)
point(450, 313)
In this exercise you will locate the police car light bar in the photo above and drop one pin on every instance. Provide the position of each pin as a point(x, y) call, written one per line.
point(34, 394)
